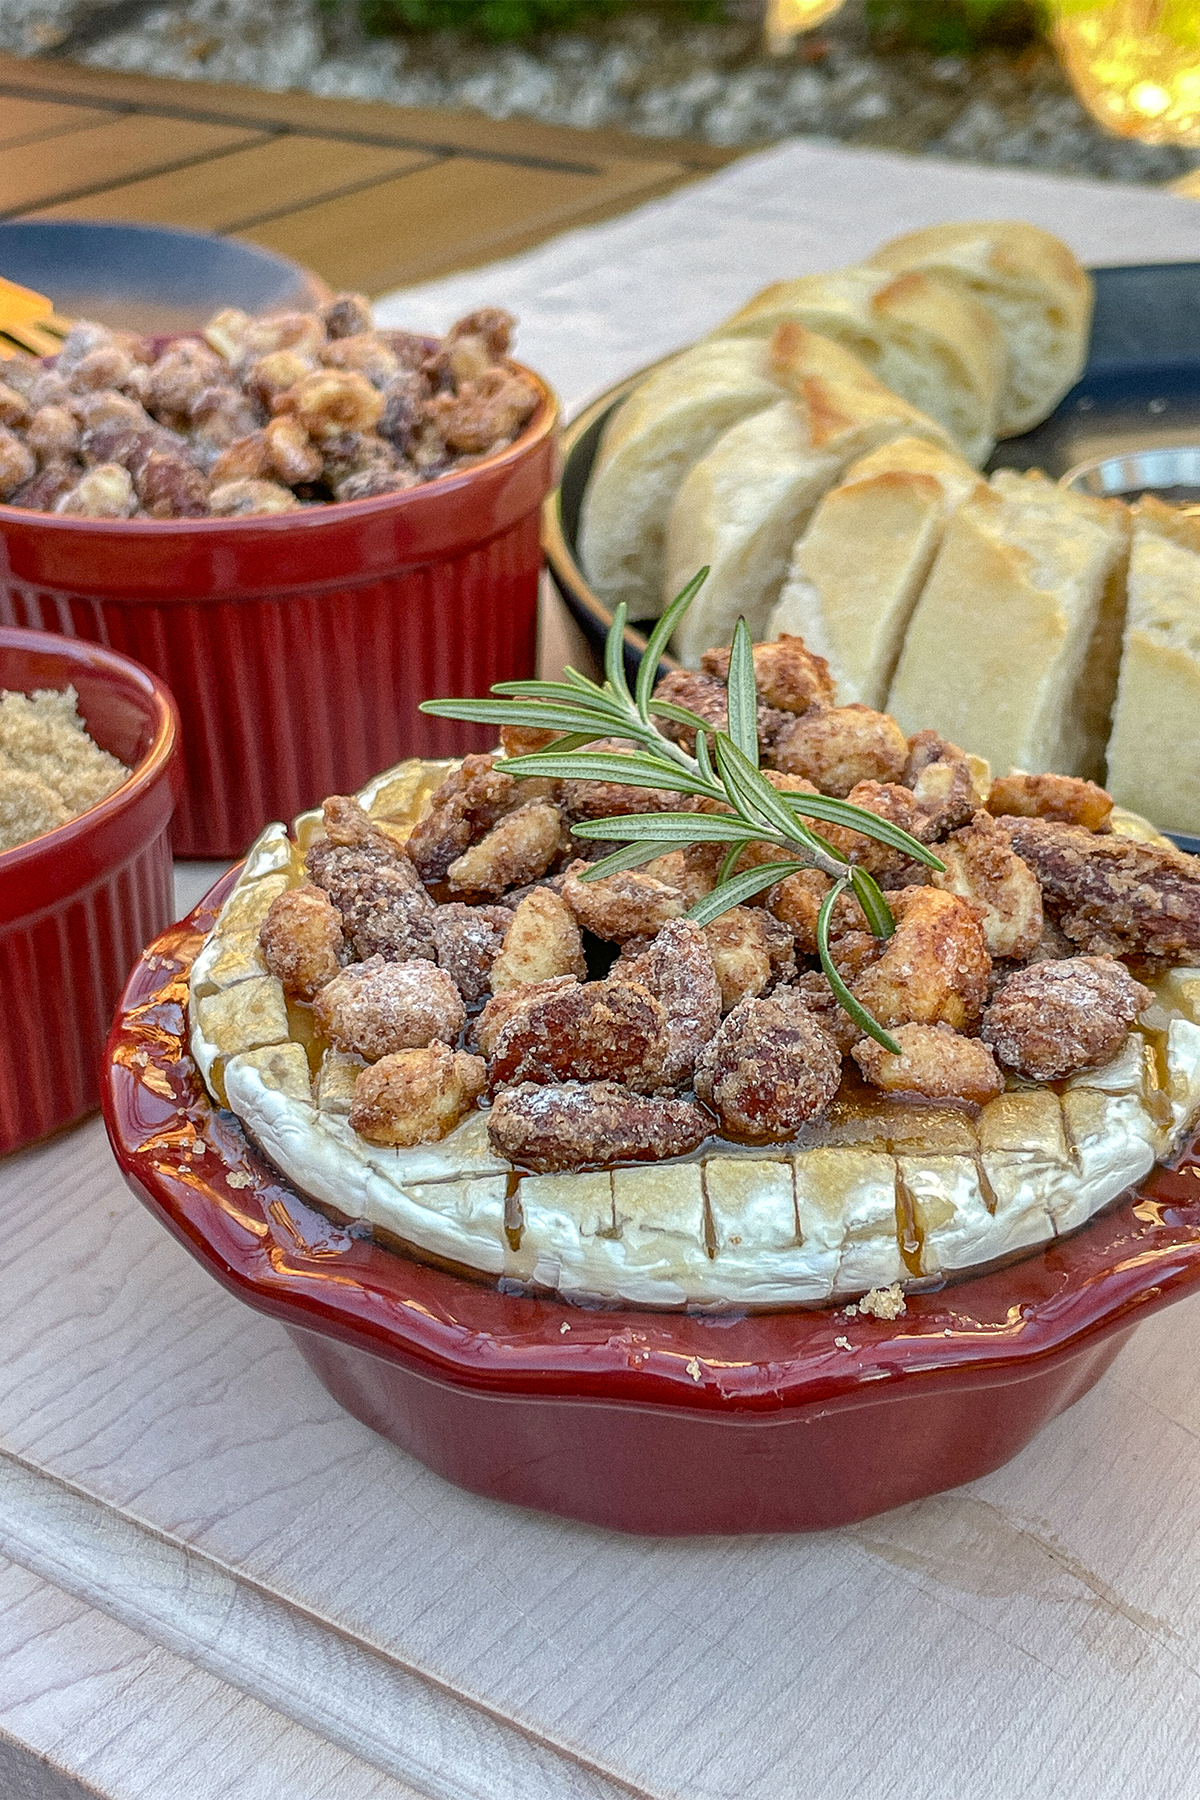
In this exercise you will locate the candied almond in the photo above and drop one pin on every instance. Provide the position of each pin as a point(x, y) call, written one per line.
point(678, 969)
point(376, 1008)
point(1056, 1018)
point(935, 1061)
point(572, 1125)
point(611, 1030)
point(416, 1096)
point(769, 1068)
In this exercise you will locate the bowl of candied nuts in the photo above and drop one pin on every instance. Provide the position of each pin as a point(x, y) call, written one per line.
point(302, 524)
point(89, 774)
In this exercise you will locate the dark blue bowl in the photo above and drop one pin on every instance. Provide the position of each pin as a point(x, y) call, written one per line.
point(149, 278)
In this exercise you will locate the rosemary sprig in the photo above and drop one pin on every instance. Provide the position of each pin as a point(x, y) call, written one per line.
point(724, 770)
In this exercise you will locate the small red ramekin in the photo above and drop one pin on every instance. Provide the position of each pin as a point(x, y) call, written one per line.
point(78, 903)
point(298, 645)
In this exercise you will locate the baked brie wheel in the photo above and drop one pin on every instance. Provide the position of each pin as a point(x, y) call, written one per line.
point(876, 1188)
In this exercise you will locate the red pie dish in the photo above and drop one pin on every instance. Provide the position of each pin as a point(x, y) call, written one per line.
point(79, 902)
point(298, 644)
point(643, 1421)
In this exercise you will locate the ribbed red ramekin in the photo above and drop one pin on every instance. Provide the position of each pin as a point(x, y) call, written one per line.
point(298, 645)
point(78, 903)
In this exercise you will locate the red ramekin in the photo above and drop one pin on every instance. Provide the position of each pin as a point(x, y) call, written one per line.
point(298, 645)
point(78, 903)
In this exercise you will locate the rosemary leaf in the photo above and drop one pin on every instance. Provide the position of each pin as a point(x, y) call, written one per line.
point(667, 709)
point(614, 657)
point(856, 818)
point(753, 790)
point(743, 695)
point(680, 828)
point(660, 637)
point(703, 761)
point(630, 856)
point(585, 765)
point(742, 887)
point(845, 998)
point(521, 712)
point(873, 902)
point(730, 860)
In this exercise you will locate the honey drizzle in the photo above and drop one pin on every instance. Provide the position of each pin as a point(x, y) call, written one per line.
point(514, 1218)
point(908, 1231)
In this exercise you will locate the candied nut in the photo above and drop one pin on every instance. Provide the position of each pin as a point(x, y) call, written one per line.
point(170, 488)
point(854, 951)
point(789, 676)
point(47, 486)
point(1057, 1018)
point(507, 1004)
point(573, 1126)
point(629, 904)
point(14, 407)
point(814, 992)
point(468, 940)
point(302, 941)
point(1060, 797)
point(612, 799)
point(20, 373)
point(491, 323)
point(107, 366)
point(516, 850)
point(678, 969)
point(274, 375)
point(707, 697)
point(796, 902)
point(376, 1008)
point(53, 433)
point(116, 411)
point(222, 415)
point(365, 352)
point(542, 941)
point(181, 374)
point(839, 746)
point(890, 801)
point(768, 1069)
point(290, 455)
point(365, 484)
point(347, 821)
point(104, 492)
point(611, 1030)
point(226, 332)
point(346, 315)
point(469, 358)
point(524, 740)
point(416, 1096)
point(740, 943)
point(485, 411)
point(983, 867)
point(301, 332)
point(1113, 895)
point(935, 967)
point(331, 401)
point(386, 910)
point(935, 1061)
point(17, 464)
point(246, 459)
point(237, 499)
point(403, 397)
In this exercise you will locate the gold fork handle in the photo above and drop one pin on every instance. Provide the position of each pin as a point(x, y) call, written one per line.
point(33, 338)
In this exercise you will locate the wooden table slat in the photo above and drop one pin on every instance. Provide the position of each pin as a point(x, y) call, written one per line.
point(23, 121)
point(227, 192)
point(83, 162)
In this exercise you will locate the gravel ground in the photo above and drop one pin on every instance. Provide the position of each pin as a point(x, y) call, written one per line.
point(644, 73)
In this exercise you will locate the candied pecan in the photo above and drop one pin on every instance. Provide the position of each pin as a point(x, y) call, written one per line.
point(375, 1008)
point(629, 904)
point(934, 968)
point(332, 401)
point(364, 353)
point(416, 1096)
point(838, 746)
point(17, 463)
point(238, 499)
point(983, 867)
point(1060, 797)
point(705, 696)
point(14, 407)
point(181, 374)
point(272, 377)
point(678, 969)
point(598, 1031)
point(302, 941)
point(1057, 1018)
point(220, 416)
point(935, 1061)
point(468, 939)
point(491, 323)
point(246, 459)
point(769, 1068)
point(53, 433)
point(748, 952)
point(1112, 894)
point(789, 676)
point(519, 848)
point(467, 804)
point(170, 488)
point(485, 412)
point(104, 492)
point(814, 992)
point(346, 315)
point(508, 1003)
point(543, 941)
point(572, 1125)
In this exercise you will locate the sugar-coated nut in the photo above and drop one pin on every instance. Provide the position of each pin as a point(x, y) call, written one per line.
point(887, 800)
point(380, 897)
point(416, 1096)
point(491, 323)
point(678, 969)
point(296, 331)
point(788, 675)
point(839, 746)
point(246, 459)
point(468, 940)
point(508, 1003)
point(574, 1125)
point(17, 463)
point(46, 487)
point(275, 374)
point(335, 400)
point(180, 376)
point(611, 1030)
point(517, 850)
point(365, 352)
point(169, 487)
point(935, 967)
point(346, 315)
point(1113, 895)
point(935, 1061)
point(629, 904)
point(708, 698)
point(53, 433)
point(220, 416)
point(105, 492)
point(1057, 1018)
point(291, 455)
point(375, 1008)
point(813, 991)
point(796, 902)
point(226, 331)
point(236, 499)
point(14, 407)
point(543, 941)
point(741, 951)
point(768, 1069)
point(983, 867)
point(485, 411)
point(1062, 797)
point(301, 939)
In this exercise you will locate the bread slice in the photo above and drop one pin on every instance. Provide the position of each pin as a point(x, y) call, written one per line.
point(647, 447)
point(926, 339)
point(741, 508)
point(1034, 289)
point(1154, 752)
point(858, 570)
point(996, 655)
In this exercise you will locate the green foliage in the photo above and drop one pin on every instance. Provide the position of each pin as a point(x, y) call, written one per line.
point(954, 27)
point(504, 21)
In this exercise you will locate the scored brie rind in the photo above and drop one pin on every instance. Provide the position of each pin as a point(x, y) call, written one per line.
point(859, 1201)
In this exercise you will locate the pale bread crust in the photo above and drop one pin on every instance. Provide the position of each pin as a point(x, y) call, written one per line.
point(1035, 290)
point(1154, 752)
point(927, 340)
